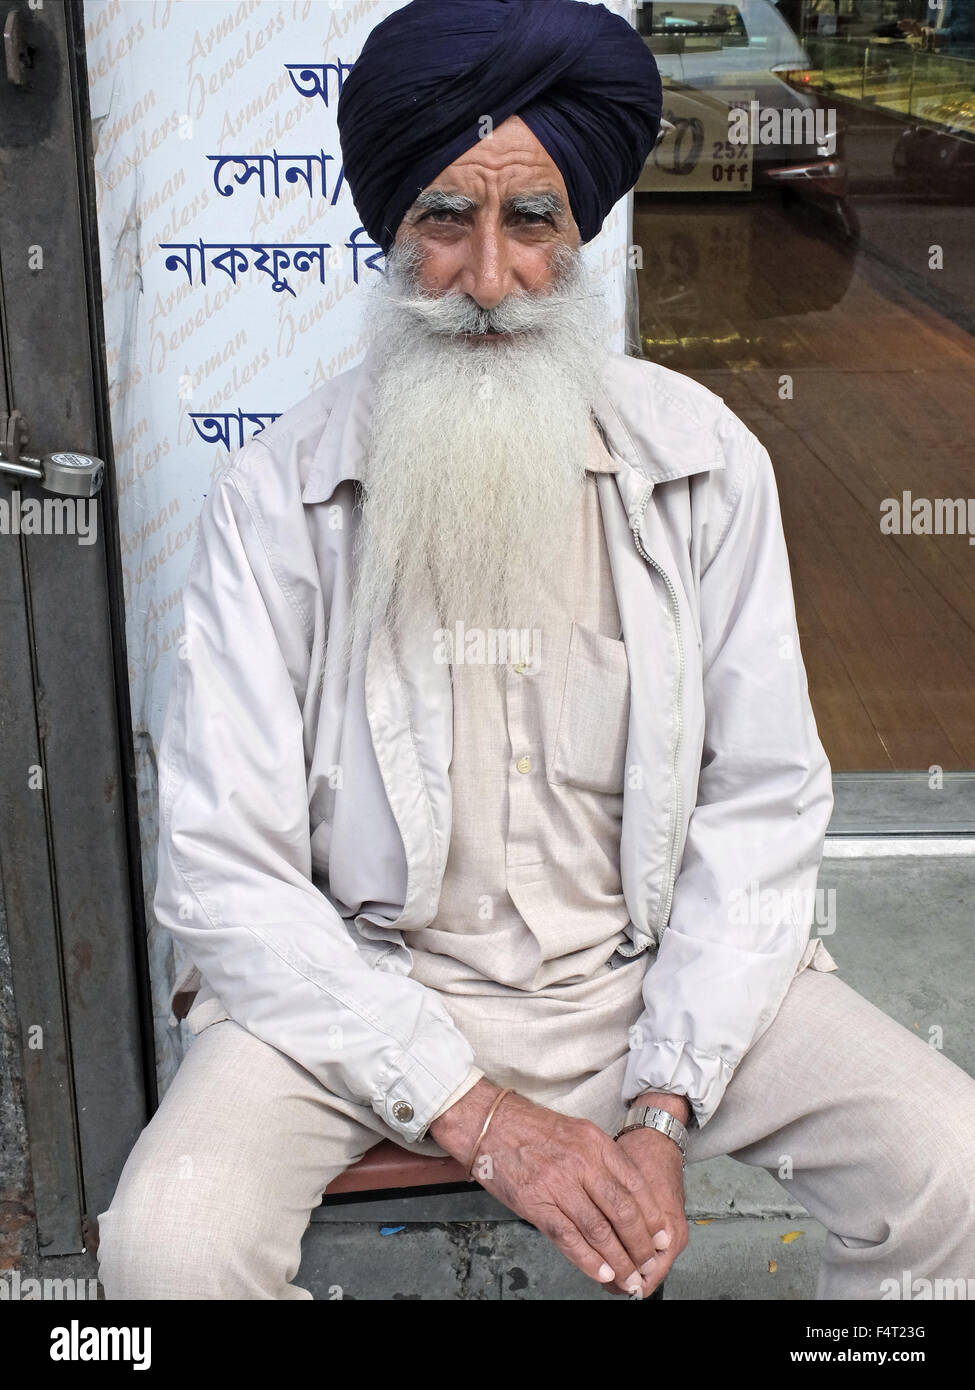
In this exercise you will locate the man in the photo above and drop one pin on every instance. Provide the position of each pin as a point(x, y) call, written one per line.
point(483, 900)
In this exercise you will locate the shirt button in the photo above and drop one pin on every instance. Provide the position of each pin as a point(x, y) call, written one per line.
point(524, 764)
point(519, 666)
point(403, 1111)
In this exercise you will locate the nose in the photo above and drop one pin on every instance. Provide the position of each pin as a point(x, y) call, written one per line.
point(488, 275)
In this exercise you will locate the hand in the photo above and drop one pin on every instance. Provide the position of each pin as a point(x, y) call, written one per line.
point(658, 1159)
point(909, 26)
point(587, 1194)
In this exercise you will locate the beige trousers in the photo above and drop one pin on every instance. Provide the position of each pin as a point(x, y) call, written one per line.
point(878, 1129)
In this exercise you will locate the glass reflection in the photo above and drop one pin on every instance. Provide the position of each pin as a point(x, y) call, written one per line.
point(805, 233)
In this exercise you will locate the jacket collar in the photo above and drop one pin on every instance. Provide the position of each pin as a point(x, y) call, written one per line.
point(642, 421)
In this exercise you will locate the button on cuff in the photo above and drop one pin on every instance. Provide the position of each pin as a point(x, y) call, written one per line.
point(412, 1088)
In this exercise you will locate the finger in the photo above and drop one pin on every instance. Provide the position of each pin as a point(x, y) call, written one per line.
point(622, 1221)
point(599, 1233)
point(604, 1261)
point(650, 1277)
point(666, 1241)
point(624, 1194)
point(670, 1242)
point(654, 1271)
point(662, 1220)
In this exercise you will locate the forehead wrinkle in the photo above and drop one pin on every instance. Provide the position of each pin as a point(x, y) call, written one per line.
point(530, 171)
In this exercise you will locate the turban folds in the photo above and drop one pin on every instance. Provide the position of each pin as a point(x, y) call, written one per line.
point(580, 77)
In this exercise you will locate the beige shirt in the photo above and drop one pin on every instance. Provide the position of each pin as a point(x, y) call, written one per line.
point(531, 906)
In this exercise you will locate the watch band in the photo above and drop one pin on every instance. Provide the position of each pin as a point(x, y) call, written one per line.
point(652, 1117)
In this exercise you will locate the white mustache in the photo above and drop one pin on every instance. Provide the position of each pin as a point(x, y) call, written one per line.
point(452, 315)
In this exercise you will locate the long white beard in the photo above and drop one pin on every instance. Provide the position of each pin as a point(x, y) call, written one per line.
point(476, 454)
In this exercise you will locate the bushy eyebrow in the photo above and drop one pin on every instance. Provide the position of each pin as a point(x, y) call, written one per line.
point(440, 200)
point(542, 204)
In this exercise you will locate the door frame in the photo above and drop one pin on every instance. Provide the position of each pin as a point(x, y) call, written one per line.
point(70, 853)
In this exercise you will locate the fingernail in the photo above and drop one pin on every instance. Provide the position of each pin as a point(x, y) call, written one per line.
point(661, 1240)
point(605, 1274)
point(648, 1265)
point(634, 1282)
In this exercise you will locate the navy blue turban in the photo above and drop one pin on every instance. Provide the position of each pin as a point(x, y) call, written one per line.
point(581, 78)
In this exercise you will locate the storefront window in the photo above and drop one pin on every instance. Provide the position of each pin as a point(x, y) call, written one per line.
point(806, 228)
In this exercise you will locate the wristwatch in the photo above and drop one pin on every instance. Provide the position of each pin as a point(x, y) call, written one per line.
point(652, 1117)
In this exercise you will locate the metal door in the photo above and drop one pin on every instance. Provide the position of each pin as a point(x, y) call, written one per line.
point(70, 881)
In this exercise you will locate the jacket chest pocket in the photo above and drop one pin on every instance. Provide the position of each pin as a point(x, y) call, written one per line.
point(589, 749)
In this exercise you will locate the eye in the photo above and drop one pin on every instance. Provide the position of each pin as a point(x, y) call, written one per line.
point(439, 215)
point(534, 218)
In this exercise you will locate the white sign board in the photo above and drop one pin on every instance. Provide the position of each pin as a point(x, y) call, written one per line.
point(232, 264)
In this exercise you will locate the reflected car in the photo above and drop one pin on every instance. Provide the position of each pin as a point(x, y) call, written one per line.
point(737, 116)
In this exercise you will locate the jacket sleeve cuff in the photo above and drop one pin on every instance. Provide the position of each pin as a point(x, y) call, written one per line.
point(415, 1087)
point(674, 1066)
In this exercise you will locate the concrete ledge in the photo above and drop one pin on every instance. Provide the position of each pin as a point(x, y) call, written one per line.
point(739, 1258)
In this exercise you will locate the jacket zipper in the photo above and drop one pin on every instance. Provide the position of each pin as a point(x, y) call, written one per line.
point(635, 521)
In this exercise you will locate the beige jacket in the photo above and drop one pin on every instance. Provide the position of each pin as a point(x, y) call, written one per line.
point(305, 818)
